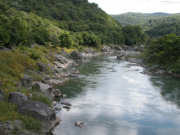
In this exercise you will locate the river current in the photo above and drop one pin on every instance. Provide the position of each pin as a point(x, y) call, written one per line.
point(115, 100)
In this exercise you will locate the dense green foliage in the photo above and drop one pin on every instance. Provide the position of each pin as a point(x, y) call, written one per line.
point(164, 51)
point(134, 35)
point(136, 18)
point(77, 16)
point(165, 28)
point(164, 20)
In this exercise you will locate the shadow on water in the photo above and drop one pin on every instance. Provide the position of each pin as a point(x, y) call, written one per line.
point(169, 86)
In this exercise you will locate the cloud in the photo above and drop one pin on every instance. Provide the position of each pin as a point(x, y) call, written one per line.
point(171, 2)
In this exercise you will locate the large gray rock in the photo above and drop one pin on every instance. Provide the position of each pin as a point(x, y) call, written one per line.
point(119, 56)
point(56, 92)
point(41, 87)
point(40, 111)
point(73, 70)
point(76, 55)
point(54, 81)
point(118, 48)
point(60, 65)
point(45, 89)
point(26, 81)
point(1, 95)
point(17, 98)
point(61, 59)
point(134, 60)
point(106, 49)
point(42, 67)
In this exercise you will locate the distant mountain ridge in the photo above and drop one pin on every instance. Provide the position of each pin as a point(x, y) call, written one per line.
point(133, 18)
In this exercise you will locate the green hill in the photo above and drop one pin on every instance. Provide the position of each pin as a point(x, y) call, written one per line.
point(137, 18)
point(84, 20)
point(164, 20)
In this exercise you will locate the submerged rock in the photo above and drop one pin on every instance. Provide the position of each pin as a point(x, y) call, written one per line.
point(79, 123)
point(54, 103)
point(66, 103)
point(56, 92)
point(67, 107)
point(64, 95)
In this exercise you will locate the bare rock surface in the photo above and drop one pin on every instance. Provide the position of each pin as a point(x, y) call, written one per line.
point(40, 111)
point(1, 95)
point(26, 81)
point(17, 98)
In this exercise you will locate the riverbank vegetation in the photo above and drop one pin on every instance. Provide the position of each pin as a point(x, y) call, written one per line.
point(164, 51)
point(35, 30)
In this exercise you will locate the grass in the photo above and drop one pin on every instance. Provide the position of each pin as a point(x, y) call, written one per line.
point(12, 66)
point(43, 99)
point(8, 113)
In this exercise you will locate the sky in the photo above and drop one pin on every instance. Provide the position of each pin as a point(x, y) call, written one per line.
point(143, 6)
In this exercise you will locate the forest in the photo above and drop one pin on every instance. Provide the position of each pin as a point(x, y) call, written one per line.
point(132, 18)
point(45, 22)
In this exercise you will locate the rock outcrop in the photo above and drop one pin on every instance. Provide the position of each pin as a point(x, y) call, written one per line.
point(76, 55)
point(1, 95)
point(17, 98)
point(40, 111)
point(26, 81)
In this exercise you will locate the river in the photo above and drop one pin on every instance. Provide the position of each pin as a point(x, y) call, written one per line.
point(114, 100)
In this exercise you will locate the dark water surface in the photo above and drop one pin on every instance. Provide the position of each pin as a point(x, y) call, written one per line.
point(114, 100)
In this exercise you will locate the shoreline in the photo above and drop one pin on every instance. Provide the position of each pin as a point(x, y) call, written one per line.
point(62, 69)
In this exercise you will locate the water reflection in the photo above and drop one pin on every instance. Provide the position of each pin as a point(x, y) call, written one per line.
point(112, 99)
point(169, 86)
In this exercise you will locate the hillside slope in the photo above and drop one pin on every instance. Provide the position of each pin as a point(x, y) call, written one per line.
point(77, 16)
point(137, 18)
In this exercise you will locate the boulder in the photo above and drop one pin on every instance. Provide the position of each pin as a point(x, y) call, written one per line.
point(154, 67)
point(17, 98)
point(79, 123)
point(160, 72)
point(54, 103)
point(40, 111)
point(64, 95)
point(119, 56)
point(66, 103)
point(118, 48)
point(1, 95)
point(73, 71)
point(59, 65)
point(41, 87)
point(26, 81)
point(56, 92)
point(134, 60)
point(106, 49)
point(76, 55)
point(73, 75)
point(57, 108)
point(53, 81)
point(42, 67)
point(169, 72)
point(67, 107)
point(61, 59)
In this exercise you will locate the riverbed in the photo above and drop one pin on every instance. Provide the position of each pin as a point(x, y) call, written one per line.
point(115, 100)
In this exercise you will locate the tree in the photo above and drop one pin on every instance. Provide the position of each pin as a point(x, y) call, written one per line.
point(66, 40)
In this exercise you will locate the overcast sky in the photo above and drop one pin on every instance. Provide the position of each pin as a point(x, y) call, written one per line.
point(143, 6)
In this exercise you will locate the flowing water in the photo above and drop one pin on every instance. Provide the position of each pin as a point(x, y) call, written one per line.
point(114, 100)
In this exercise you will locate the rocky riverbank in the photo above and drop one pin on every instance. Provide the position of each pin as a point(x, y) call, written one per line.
point(129, 54)
point(55, 73)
